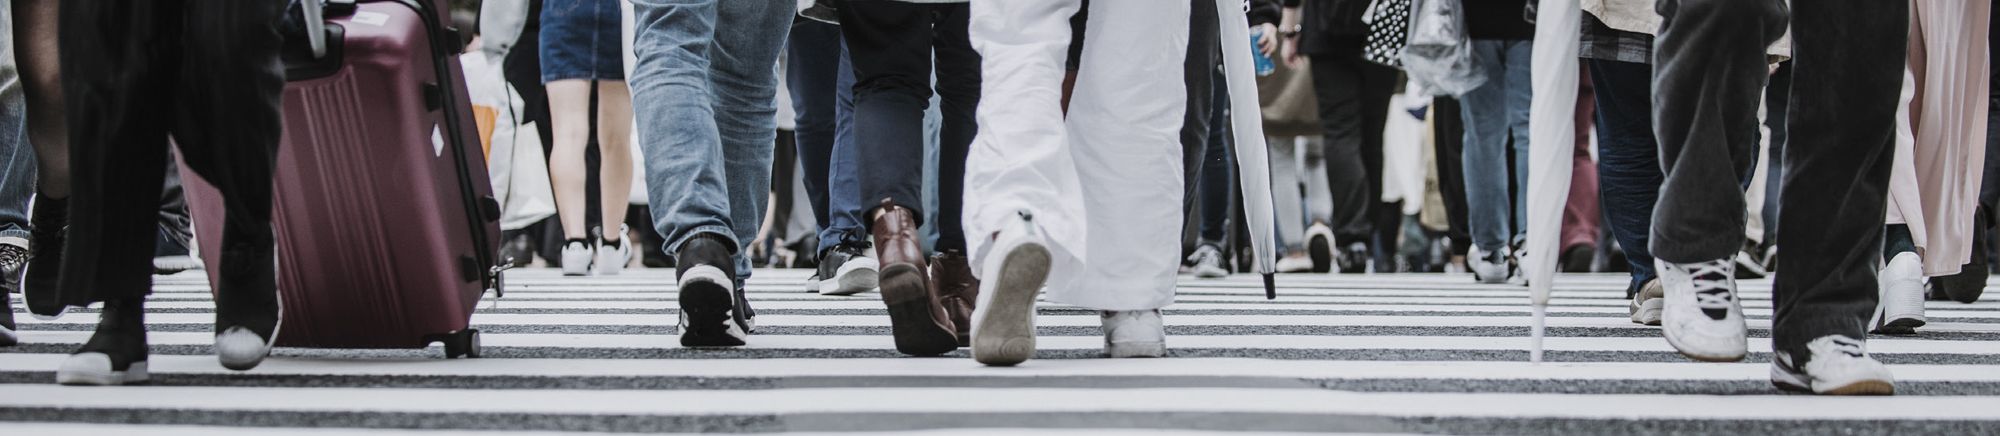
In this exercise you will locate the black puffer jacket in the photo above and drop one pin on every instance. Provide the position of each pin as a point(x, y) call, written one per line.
point(1330, 27)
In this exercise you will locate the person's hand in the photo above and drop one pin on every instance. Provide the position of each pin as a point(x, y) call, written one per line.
point(1268, 45)
point(1289, 51)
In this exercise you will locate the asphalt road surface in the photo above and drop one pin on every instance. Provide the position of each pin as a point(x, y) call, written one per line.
point(1363, 354)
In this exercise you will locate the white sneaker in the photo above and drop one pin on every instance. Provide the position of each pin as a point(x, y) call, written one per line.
point(1702, 316)
point(1488, 268)
point(576, 257)
point(859, 274)
point(1901, 284)
point(612, 259)
point(1647, 304)
point(1012, 273)
point(1839, 366)
point(94, 369)
point(1294, 264)
point(1134, 333)
point(1208, 262)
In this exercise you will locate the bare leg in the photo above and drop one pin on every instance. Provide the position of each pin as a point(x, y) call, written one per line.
point(569, 101)
point(614, 143)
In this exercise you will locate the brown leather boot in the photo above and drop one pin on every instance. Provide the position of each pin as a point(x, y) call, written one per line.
point(951, 275)
point(917, 319)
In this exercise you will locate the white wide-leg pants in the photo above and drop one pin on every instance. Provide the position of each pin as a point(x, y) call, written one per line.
point(1103, 185)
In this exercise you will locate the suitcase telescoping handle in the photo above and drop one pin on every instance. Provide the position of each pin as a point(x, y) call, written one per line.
point(315, 21)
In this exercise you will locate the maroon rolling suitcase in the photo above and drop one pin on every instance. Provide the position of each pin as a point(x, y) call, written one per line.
point(386, 225)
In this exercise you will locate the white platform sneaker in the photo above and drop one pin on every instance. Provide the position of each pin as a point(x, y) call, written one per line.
point(1701, 316)
point(576, 258)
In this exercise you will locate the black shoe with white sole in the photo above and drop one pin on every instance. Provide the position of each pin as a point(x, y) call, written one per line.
point(707, 287)
point(247, 307)
point(115, 354)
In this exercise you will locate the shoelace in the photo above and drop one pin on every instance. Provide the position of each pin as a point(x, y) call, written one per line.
point(1711, 285)
point(1850, 347)
point(12, 257)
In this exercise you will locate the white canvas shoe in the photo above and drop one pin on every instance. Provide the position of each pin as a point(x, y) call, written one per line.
point(1488, 268)
point(1839, 366)
point(1012, 274)
point(1646, 306)
point(1701, 316)
point(1901, 307)
point(1134, 333)
point(611, 259)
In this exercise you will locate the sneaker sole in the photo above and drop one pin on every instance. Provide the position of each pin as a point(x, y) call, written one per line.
point(174, 264)
point(87, 372)
point(852, 279)
point(1210, 274)
point(908, 296)
point(1723, 358)
point(708, 306)
point(1861, 387)
point(1136, 350)
point(1004, 334)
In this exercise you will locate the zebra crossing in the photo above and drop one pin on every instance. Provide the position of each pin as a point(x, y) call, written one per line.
point(1362, 354)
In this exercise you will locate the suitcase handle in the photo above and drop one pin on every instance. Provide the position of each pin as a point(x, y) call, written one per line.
point(315, 26)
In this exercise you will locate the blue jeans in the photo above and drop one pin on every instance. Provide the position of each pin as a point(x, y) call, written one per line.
point(17, 158)
point(704, 100)
point(1493, 113)
point(822, 87)
point(1628, 159)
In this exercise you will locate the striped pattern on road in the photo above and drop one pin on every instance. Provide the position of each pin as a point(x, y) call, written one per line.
point(1381, 353)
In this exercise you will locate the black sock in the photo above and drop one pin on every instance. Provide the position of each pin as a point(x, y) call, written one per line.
point(1897, 240)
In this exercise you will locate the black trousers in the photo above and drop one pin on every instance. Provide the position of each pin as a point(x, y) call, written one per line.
point(1848, 59)
point(892, 45)
point(1353, 105)
point(205, 74)
point(1449, 134)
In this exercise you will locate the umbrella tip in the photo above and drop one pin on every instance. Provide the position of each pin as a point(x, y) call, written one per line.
point(1270, 286)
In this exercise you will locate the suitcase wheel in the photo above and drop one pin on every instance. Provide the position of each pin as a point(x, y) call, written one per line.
point(464, 343)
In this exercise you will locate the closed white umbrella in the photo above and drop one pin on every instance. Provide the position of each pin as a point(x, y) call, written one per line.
point(1551, 126)
point(1252, 165)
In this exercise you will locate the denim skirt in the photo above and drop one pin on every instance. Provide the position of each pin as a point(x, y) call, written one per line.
point(581, 40)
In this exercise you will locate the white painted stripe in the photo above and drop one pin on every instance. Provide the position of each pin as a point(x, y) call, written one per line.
point(44, 429)
point(1189, 367)
point(1286, 342)
point(1441, 322)
point(1019, 400)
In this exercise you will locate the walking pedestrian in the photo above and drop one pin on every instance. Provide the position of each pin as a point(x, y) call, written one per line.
point(703, 92)
point(216, 68)
point(581, 56)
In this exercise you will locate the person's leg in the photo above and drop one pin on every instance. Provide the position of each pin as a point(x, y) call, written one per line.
point(1709, 65)
point(745, 89)
point(1287, 198)
point(1217, 176)
point(1581, 212)
point(958, 88)
point(1448, 135)
point(1516, 56)
point(1489, 208)
point(891, 44)
point(1834, 194)
point(228, 125)
point(614, 139)
point(17, 181)
point(36, 48)
point(1026, 227)
point(569, 112)
point(1385, 219)
point(1628, 159)
point(171, 255)
point(812, 65)
point(1337, 84)
point(844, 203)
point(1198, 70)
point(1777, 108)
point(1708, 81)
point(1124, 127)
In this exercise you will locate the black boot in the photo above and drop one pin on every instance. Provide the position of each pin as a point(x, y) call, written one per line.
point(48, 228)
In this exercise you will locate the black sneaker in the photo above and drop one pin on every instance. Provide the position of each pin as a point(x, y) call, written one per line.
point(749, 319)
point(171, 255)
point(1354, 259)
point(48, 228)
point(247, 306)
point(707, 283)
point(13, 260)
point(846, 269)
